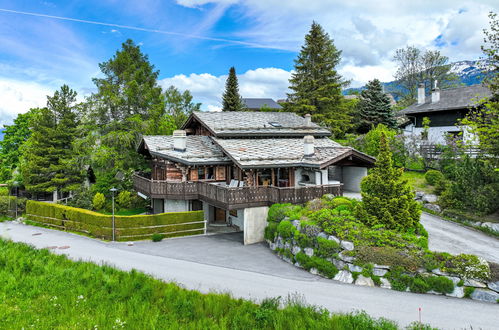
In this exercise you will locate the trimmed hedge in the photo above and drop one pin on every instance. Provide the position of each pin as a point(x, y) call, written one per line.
point(127, 227)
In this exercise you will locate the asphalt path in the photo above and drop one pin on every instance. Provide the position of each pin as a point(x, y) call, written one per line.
point(439, 311)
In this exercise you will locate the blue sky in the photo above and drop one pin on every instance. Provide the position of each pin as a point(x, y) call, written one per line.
point(194, 42)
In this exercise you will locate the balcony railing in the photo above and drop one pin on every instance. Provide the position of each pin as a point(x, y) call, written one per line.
point(229, 197)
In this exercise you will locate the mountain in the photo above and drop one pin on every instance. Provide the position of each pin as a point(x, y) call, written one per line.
point(468, 72)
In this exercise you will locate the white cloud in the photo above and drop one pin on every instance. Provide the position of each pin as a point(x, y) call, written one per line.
point(208, 89)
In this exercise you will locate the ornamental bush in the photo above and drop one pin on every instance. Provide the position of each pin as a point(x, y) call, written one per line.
point(433, 177)
point(387, 199)
point(98, 201)
point(124, 199)
point(286, 229)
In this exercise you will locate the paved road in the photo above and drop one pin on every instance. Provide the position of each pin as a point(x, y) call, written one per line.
point(443, 312)
point(448, 236)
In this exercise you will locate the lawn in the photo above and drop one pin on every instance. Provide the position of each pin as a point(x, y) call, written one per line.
point(41, 290)
point(417, 181)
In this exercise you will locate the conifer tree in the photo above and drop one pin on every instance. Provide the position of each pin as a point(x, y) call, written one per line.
point(231, 100)
point(374, 107)
point(316, 85)
point(387, 199)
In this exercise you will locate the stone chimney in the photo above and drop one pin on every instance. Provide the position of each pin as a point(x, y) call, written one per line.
point(435, 93)
point(308, 146)
point(421, 94)
point(308, 120)
point(179, 140)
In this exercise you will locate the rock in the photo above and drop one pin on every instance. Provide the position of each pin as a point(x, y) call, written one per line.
point(287, 260)
point(323, 235)
point(344, 276)
point(347, 245)
point(437, 271)
point(432, 207)
point(309, 251)
point(454, 279)
point(434, 292)
point(344, 257)
point(295, 250)
point(491, 226)
point(381, 266)
point(272, 246)
point(429, 198)
point(494, 286)
point(297, 264)
point(485, 295)
point(457, 293)
point(419, 195)
point(279, 243)
point(296, 224)
point(364, 281)
point(338, 263)
point(379, 271)
point(474, 283)
point(385, 284)
point(314, 271)
point(354, 268)
point(287, 246)
point(334, 238)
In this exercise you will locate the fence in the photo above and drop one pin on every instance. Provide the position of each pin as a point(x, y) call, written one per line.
point(127, 228)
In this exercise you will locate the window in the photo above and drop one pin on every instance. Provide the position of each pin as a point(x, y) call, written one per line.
point(201, 173)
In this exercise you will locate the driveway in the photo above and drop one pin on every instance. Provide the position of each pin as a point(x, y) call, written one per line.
point(440, 311)
point(448, 236)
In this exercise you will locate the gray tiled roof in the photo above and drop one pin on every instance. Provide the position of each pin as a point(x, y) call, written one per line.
point(281, 152)
point(200, 150)
point(253, 103)
point(257, 124)
point(450, 99)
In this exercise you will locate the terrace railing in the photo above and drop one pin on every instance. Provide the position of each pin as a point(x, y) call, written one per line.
point(230, 197)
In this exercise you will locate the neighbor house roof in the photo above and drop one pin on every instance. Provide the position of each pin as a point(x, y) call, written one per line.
point(200, 150)
point(257, 104)
point(256, 124)
point(451, 99)
point(251, 153)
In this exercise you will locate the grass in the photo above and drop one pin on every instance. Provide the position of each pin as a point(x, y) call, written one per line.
point(135, 211)
point(417, 181)
point(45, 291)
point(5, 218)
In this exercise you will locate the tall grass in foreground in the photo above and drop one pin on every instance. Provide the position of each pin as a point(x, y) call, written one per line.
point(45, 291)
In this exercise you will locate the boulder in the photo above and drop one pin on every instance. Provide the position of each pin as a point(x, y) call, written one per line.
point(295, 250)
point(338, 263)
point(344, 257)
point(474, 283)
point(287, 246)
point(491, 226)
point(437, 271)
point(323, 235)
point(385, 284)
point(419, 195)
point(354, 268)
point(344, 276)
point(381, 266)
point(485, 295)
point(494, 286)
point(379, 271)
point(279, 243)
point(429, 198)
point(297, 264)
point(347, 245)
point(364, 281)
point(296, 224)
point(454, 279)
point(272, 246)
point(434, 292)
point(308, 251)
point(457, 293)
point(432, 207)
point(314, 271)
point(334, 238)
point(287, 260)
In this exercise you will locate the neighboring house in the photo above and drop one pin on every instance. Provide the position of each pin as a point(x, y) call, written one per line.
point(234, 165)
point(257, 104)
point(444, 108)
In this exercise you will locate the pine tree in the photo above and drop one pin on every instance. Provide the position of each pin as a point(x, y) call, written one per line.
point(374, 107)
point(48, 162)
point(231, 100)
point(316, 85)
point(387, 199)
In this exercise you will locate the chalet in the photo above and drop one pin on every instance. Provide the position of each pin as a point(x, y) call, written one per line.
point(234, 165)
point(255, 104)
point(444, 109)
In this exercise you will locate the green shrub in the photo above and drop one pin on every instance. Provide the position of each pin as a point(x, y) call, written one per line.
point(468, 290)
point(277, 212)
point(304, 260)
point(324, 267)
point(440, 284)
point(310, 229)
point(124, 199)
point(467, 266)
point(419, 285)
point(98, 201)
point(4, 191)
point(433, 177)
point(270, 231)
point(302, 240)
point(398, 280)
point(8, 205)
point(286, 229)
point(157, 237)
point(342, 201)
point(388, 256)
point(326, 248)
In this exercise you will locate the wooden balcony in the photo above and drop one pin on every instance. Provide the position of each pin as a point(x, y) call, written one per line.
point(232, 198)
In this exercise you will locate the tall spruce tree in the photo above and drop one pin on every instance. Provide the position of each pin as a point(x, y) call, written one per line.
point(374, 107)
point(316, 85)
point(231, 100)
point(48, 161)
point(387, 199)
